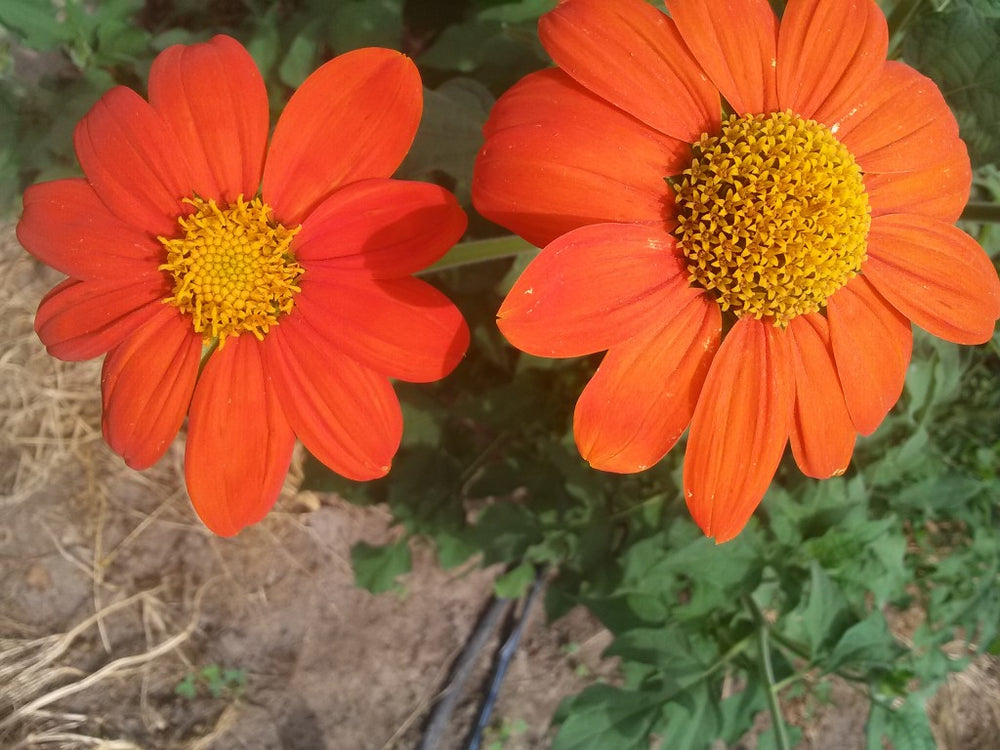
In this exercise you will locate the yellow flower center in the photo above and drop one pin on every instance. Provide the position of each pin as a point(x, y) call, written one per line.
point(773, 216)
point(233, 269)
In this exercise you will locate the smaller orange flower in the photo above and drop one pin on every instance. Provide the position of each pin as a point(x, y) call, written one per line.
point(263, 291)
point(753, 275)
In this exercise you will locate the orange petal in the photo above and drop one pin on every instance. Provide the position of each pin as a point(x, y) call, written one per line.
point(389, 228)
point(936, 275)
point(134, 162)
point(898, 124)
point(353, 118)
point(239, 441)
point(81, 320)
point(939, 191)
point(345, 414)
point(213, 98)
point(739, 429)
point(827, 52)
point(736, 42)
point(631, 55)
point(822, 433)
point(593, 288)
point(557, 158)
point(872, 342)
point(642, 396)
point(403, 328)
point(65, 225)
point(147, 384)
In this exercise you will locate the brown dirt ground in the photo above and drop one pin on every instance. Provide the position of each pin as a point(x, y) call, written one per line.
point(111, 593)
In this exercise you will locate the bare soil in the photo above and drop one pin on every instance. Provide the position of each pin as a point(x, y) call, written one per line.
point(112, 595)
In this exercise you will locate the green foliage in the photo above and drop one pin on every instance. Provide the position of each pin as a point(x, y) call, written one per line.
point(958, 45)
point(215, 680)
point(378, 568)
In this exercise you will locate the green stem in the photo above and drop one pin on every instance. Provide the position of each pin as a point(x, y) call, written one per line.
point(982, 212)
point(763, 630)
point(477, 251)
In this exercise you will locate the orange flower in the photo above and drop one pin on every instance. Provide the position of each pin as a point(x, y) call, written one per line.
point(264, 291)
point(812, 224)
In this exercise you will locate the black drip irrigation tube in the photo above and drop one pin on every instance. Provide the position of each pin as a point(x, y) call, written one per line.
point(440, 716)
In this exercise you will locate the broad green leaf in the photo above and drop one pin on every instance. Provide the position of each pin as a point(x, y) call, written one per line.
point(516, 12)
point(505, 530)
point(513, 583)
point(606, 718)
point(823, 615)
point(299, 60)
point(377, 568)
point(692, 720)
point(365, 23)
point(865, 644)
point(450, 135)
point(905, 727)
point(960, 50)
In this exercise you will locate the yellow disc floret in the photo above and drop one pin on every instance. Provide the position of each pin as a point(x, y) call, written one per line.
point(233, 268)
point(773, 216)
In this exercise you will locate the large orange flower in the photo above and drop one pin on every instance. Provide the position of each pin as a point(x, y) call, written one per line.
point(751, 264)
point(264, 291)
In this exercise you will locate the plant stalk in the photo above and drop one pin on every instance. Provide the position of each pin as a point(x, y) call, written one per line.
point(477, 251)
point(780, 729)
point(982, 211)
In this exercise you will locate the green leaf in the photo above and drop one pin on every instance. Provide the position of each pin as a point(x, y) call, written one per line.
point(299, 61)
point(517, 12)
point(377, 568)
point(365, 23)
point(505, 530)
point(822, 616)
point(960, 50)
point(604, 717)
point(37, 23)
point(867, 644)
point(692, 719)
point(450, 134)
point(187, 688)
point(513, 583)
point(906, 727)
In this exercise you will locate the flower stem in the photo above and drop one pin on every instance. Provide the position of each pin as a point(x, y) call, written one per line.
point(982, 212)
point(477, 251)
point(763, 630)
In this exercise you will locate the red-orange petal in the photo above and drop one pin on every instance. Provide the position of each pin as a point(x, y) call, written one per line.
point(936, 275)
point(353, 118)
point(739, 428)
point(593, 288)
point(239, 442)
point(146, 383)
point(557, 158)
point(346, 415)
point(898, 124)
point(939, 191)
point(134, 162)
point(213, 98)
point(80, 320)
point(827, 53)
point(402, 328)
point(65, 225)
point(822, 433)
point(632, 55)
point(641, 398)
point(388, 228)
point(735, 42)
point(872, 343)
